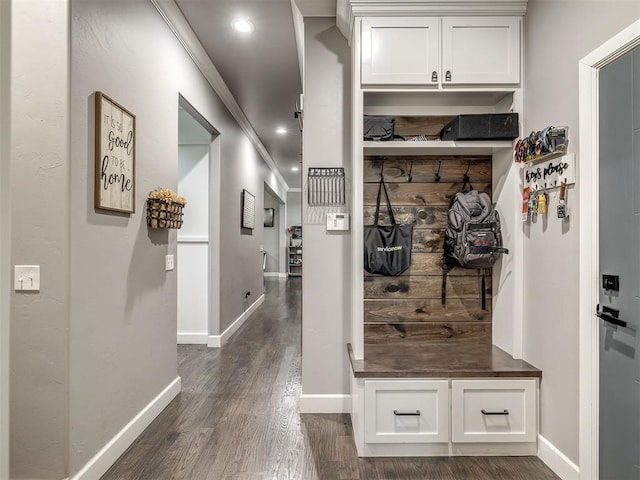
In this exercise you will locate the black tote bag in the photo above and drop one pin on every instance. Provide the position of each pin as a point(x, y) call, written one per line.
point(387, 248)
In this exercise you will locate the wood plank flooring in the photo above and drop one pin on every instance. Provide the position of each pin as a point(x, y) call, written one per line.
point(237, 419)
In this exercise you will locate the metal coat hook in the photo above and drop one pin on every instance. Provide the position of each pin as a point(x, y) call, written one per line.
point(409, 175)
point(436, 177)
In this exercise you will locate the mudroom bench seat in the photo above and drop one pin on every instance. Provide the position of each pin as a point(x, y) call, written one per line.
point(443, 400)
point(437, 360)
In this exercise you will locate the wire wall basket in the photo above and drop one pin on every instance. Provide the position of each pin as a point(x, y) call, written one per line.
point(326, 187)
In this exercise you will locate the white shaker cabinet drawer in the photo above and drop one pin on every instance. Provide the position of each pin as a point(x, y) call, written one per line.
point(493, 411)
point(406, 411)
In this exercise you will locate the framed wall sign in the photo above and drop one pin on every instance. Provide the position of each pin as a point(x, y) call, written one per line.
point(248, 210)
point(115, 143)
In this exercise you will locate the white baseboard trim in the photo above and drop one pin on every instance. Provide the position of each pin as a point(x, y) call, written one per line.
point(102, 461)
point(193, 338)
point(275, 274)
point(325, 403)
point(556, 460)
point(216, 341)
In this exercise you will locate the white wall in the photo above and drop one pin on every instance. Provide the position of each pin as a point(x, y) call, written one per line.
point(98, 343)
point(123, 350)
point(40, 232)
point(557, 35)
point(5, 235)
point(326, 301)
point(192, 261)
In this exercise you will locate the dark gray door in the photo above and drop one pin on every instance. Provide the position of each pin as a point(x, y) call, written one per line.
point(619, 215)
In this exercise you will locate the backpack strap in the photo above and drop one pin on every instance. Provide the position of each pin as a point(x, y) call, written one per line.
point(466, 179)
point(484, 295)
point(445, 269)
point(487, 249)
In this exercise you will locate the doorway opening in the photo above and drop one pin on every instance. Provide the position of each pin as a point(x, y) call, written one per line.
point(198, 248)
point(275, 230)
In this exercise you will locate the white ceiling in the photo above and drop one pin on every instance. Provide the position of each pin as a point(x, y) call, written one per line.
point(260, 68)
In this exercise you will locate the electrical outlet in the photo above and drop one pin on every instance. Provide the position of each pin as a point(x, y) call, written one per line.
point(27, 278)
point(168, 263)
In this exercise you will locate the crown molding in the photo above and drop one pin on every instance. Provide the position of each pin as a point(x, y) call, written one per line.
point(317, 8)
point(348, 10)
point(178, 24)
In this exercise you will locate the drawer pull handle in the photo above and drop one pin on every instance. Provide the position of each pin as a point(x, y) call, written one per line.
point(504, 412)
point(406, 414)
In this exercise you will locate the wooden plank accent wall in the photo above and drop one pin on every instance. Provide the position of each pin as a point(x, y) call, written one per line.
point(407, 309)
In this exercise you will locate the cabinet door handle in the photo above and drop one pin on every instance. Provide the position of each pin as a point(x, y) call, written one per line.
point(407, 414)
point(434, 76)
point(447, 76)
point(504, 412)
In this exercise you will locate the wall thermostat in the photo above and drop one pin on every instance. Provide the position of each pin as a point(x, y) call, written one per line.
point(337, 221)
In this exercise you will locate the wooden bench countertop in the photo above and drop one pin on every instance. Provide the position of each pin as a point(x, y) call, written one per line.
point(438, 361)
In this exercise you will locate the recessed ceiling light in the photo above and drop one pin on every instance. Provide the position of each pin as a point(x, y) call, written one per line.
point(294, 169)
point(281, 130)
point(241, 25)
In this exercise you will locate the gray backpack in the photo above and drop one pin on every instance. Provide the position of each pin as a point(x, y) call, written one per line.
point(473, 238)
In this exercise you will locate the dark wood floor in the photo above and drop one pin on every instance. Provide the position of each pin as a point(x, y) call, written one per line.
point(237, 419)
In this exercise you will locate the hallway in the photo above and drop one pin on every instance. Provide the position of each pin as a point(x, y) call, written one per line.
point(237, 418)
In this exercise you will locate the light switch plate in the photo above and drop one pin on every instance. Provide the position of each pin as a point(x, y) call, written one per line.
point(168, 263)
point(26, 278)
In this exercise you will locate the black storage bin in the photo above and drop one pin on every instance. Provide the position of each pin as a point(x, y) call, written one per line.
point(484, 126)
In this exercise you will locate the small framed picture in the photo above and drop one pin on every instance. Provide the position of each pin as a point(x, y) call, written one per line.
point(248, 210)
point(269, 214)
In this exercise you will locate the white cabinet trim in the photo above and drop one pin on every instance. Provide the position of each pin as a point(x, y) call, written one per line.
point(348, 10)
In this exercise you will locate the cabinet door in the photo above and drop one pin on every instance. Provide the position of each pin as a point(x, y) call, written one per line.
point(400, 50)
point(406, 411)
point(493, 411)
point(480, 50)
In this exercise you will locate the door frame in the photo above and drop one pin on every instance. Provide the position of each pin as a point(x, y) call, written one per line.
point(589, 69)
point(213, 235)
point(5, 231)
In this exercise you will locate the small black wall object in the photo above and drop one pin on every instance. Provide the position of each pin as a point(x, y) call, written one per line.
point(483, 126)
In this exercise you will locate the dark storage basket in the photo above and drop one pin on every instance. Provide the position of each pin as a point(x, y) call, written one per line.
point(163, 213)
point(484, 126)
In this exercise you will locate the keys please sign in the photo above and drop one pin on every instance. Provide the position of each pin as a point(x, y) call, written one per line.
point(115, 156)
point(550, 173)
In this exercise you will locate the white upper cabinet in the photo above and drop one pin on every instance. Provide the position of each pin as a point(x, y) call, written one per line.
point(397, 50)
point(440, 51)
point(481, 50)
